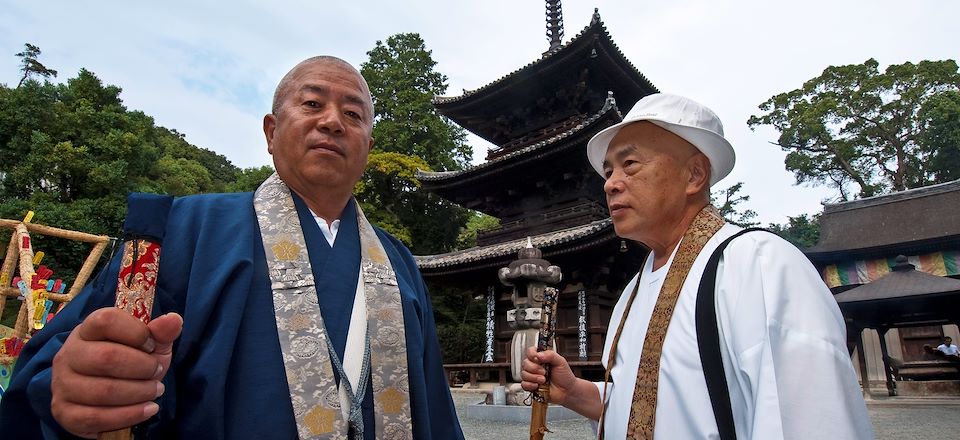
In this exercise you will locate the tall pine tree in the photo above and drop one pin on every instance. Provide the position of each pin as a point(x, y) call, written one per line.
point(410, 134)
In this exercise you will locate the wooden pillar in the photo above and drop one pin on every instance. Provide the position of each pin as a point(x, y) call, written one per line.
point(862, 358)
point(473, 377)
point(891, 387)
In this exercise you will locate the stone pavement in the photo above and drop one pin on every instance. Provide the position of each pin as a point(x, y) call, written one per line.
point(893, 418)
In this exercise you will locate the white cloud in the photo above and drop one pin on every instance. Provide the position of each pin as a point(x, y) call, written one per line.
point(208, 68)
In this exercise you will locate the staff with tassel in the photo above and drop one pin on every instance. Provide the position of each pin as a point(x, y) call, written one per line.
point(541, 397)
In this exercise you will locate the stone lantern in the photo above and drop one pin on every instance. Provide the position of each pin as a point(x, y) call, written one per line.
point(529, 275)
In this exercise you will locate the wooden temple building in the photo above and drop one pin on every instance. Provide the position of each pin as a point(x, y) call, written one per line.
point(538, 183)
point(895, 306)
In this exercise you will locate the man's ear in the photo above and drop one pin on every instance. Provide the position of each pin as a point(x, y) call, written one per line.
point(269, 125)
point(698, 167)
point(370, 147)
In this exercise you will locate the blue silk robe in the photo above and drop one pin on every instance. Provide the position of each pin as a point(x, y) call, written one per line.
point(227, 378)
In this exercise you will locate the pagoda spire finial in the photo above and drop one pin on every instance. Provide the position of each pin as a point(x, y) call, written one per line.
point(554, 24)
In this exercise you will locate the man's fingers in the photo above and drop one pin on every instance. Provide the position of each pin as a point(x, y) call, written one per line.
point(102, 391)
point(530, 366)
point(110, 359)
point(529, 386)
point(535, 378)
point(113, 324)
point(544, 357)
point(86, 420)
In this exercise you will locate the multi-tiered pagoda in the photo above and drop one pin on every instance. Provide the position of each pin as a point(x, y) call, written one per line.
point(538, 182)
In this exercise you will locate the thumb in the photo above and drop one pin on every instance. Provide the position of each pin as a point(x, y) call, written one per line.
point(163, 331)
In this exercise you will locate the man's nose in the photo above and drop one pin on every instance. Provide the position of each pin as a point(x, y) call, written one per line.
point(613, 184)
point(330, 120)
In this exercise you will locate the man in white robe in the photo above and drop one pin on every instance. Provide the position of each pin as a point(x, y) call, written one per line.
point(782, 336)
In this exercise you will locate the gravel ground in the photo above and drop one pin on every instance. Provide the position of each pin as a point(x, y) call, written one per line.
point(891, 420)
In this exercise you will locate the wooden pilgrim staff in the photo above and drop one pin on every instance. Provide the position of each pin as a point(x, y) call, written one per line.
point(541, 397)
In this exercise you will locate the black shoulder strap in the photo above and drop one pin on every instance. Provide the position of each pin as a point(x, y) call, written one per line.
point(708, 341)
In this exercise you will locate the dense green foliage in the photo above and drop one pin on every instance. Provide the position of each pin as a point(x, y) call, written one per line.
point(410, 134)
point(461, 323)
point(801, 230)
point(476, 223)
point(71, 152)
point(941, 138)
point(856, 128)
point(403, 83)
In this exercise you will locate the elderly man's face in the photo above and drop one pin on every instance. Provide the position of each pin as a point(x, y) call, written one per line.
point(321, 134)
point(646, 183)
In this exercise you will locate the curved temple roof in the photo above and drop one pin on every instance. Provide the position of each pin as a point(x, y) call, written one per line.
point(549, 243)
point(596, 27)
point(609, 108)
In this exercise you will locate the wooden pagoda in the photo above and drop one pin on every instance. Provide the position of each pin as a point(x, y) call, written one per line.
point(538, 182)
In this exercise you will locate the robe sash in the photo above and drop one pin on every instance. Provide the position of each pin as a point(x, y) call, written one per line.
point(644, 407)
point(303, 336)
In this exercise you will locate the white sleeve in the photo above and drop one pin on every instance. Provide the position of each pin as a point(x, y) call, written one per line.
point(793, 376)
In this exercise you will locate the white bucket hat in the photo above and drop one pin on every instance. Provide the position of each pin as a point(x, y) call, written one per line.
point(681, 116)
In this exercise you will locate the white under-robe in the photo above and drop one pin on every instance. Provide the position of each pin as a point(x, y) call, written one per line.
point(783, 343)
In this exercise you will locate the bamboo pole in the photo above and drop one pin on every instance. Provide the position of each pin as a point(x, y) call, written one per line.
point(6, 271)
point(26, 270)
point(25, 258)
point(55, 232)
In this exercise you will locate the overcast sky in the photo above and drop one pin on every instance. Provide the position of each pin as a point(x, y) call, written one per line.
point(208, 69)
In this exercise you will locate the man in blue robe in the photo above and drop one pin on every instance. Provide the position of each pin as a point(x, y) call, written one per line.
point(250, 340)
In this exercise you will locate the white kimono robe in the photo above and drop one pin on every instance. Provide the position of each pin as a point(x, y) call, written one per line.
point(783, 344)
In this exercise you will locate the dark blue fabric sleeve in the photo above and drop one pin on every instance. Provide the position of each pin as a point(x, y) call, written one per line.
point(147, 215)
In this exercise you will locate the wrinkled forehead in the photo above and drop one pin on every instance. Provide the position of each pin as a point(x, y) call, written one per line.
point(329, 69)
point(645, 137)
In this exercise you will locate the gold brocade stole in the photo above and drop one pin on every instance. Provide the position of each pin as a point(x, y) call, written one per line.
point(644, 408)
point(302, 334)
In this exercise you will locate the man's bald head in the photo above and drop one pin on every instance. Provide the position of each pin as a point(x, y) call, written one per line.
point(283, 88)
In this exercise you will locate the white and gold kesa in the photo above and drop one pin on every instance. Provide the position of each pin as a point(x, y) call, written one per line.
point(318, 405)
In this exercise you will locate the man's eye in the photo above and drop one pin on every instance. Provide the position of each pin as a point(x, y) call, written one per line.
point(311, 104)
point(353, 114)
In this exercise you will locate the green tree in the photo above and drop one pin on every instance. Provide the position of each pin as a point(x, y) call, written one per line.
point(461, 323)
point(726, 201)
point(856, 128)
point(388, 190)
point(477, 222)
point(941, 137)
point(410, 134)
point(71, 152)
point(802, 231)
point(249, 179)
point(403, 83)
point(30, 66)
